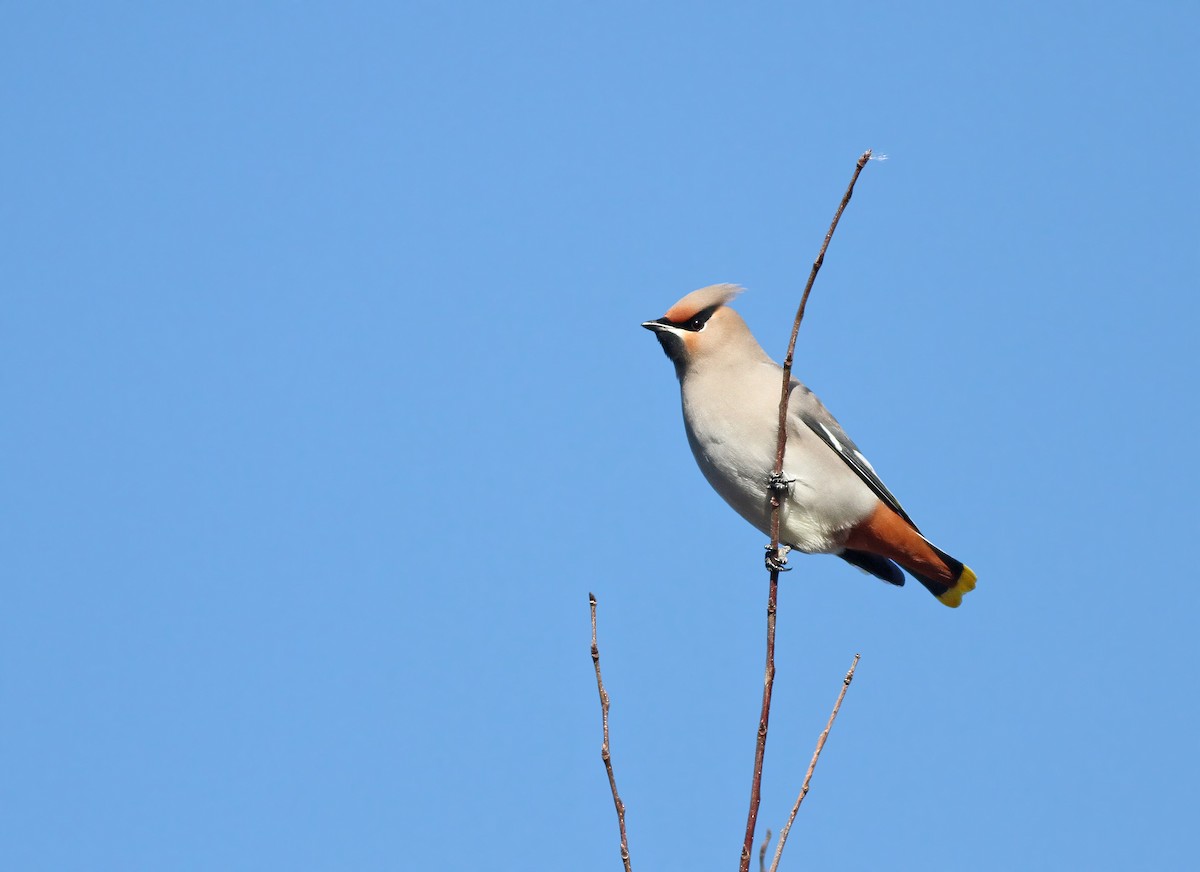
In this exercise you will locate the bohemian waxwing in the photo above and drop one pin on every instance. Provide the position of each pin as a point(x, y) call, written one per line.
point(835, 503)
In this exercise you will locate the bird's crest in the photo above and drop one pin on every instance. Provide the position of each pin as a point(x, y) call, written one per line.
point(698, 301)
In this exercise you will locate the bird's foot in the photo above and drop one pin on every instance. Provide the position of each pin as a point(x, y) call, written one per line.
point(777, 558)
point(778, 485)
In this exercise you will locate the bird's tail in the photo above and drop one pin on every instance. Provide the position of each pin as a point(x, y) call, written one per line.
point(887, 534)
point(873, 564)
point(948, 585)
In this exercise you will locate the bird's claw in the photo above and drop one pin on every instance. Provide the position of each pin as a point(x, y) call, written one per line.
point(777, 558)
point(779, 485)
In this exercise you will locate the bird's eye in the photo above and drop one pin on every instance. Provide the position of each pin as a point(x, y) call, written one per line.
point(696, 323)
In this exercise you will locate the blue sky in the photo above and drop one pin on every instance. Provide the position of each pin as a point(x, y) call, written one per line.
point(327, 405)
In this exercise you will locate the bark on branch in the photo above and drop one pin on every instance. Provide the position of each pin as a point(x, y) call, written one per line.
point(604, 750)
point(775, 558)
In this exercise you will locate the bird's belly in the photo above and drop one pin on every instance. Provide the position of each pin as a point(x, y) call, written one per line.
point(826, 497)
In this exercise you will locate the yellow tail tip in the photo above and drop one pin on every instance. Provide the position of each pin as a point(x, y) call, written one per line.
point(965, 584)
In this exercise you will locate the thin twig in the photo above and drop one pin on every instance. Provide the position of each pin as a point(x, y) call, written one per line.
point(787, 361)
point(777, 478)
point(604, 754)
point(762, 851)
point(813, 764)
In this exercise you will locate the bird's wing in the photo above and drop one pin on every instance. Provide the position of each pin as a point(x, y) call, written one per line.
point(804, 405)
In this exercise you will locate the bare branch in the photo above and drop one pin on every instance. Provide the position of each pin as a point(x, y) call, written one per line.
point(604, 754)
point(774, 557)
point(762, 851)
point(813, 764)
point(781, 440)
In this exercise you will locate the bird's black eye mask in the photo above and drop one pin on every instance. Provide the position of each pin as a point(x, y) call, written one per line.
point(696, 323)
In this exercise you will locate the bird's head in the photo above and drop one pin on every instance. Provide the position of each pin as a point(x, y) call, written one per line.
point(701, 327)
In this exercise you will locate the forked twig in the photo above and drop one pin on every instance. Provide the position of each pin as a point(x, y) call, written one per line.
point(812, 765)
point(774, 557)
point(604, 753)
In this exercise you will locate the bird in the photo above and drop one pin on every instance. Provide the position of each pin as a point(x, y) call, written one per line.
point(833, 502)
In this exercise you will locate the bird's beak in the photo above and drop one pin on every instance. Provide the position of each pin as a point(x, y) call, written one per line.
point(670, 337)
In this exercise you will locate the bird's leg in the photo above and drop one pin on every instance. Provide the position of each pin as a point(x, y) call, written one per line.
point(777, 558)
point(779, 487)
